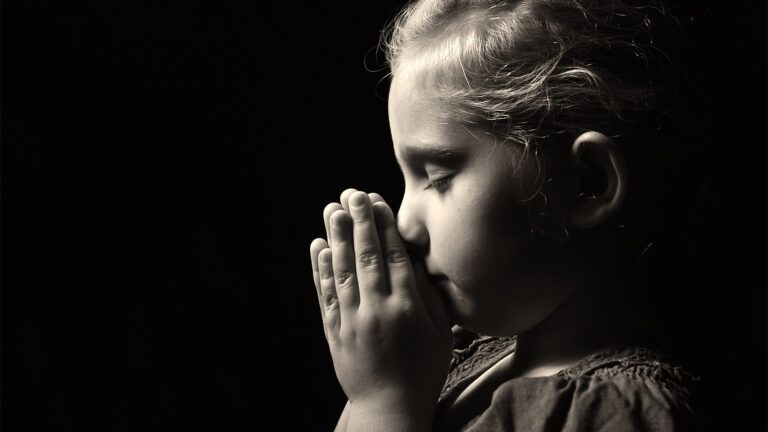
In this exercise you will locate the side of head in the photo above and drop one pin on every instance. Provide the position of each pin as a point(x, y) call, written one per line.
point(573, 91)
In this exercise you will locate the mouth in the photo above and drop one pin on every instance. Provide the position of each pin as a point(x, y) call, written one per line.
point(441, 285)
point(438, 280)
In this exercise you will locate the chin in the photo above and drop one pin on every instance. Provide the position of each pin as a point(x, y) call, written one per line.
point(488, 329)
point(463, 310)
point(486, 322)
point(469, 319)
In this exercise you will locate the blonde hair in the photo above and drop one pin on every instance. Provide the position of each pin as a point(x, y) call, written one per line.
point(533, 71)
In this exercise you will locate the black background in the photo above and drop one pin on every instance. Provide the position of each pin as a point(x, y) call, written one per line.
point(165, 165)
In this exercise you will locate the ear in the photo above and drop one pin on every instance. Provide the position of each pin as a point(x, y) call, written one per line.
point(595, 157)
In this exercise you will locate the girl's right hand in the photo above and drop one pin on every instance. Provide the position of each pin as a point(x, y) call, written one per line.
point(392, 348)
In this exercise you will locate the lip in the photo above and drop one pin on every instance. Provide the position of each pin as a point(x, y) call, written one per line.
point(435, 277)
point(443, 289)
point(438, 280)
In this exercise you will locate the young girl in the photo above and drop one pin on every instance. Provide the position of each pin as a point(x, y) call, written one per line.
point(499, 297)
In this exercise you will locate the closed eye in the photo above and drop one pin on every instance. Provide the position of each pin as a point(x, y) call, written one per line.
point(439, 184)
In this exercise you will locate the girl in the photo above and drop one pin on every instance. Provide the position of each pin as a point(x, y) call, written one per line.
point(499, 297)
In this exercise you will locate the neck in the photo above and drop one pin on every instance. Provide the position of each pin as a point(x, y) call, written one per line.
point(595, 316)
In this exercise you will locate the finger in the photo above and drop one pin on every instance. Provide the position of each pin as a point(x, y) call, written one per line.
point(327, 212)
point(375, 197)
point(330, 208)
point(433, 302)
point(317, 245)
point(399, 270)
point(378, 214)
point(368, 258)
point(344, 198)
point(330, 300)
point(343, 260)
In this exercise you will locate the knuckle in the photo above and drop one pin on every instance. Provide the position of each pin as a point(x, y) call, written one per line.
point(368, 257)
point(397, 255)
point(330, 301)
point(369, 321)
point(404, 305)
point(347, 333)
point(374, 328)
point(361, 219)
point(326, 277)
point(343, 277)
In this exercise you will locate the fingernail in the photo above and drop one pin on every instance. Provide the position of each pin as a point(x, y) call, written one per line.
point(336, 220)
point(324, 256)
point(325, 263)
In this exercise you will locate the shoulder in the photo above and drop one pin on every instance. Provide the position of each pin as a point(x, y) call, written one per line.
point(644, 363)
point(602, 403)
point(620, 388)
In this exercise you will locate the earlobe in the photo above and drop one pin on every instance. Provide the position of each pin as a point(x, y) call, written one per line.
point(589, 209)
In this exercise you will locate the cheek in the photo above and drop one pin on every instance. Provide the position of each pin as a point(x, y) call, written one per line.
point(499, 226)
point(481, 243)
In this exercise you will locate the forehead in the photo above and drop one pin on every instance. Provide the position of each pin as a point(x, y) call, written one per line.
point(411, 93)
point(422, 128)
point(416, 116)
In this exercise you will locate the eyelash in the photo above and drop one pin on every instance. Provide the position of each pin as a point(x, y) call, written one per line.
point(440, 183)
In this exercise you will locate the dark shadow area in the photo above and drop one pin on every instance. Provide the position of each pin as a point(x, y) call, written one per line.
point(164, 169)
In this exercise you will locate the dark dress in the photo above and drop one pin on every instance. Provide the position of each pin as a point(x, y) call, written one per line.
point(629, 388)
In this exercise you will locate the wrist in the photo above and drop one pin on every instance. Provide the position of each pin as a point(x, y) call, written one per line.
point(382, 418)
point(391, 412)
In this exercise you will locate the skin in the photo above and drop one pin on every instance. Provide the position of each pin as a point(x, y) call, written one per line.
point(387, 318)
point(389, 338)
point(473, 232)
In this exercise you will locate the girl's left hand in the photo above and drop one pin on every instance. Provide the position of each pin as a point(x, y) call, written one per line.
point(387, 330)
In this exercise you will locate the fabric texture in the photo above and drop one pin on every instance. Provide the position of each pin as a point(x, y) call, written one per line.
point(627, 388)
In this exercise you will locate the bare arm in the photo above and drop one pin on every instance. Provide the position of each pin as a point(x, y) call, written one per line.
point(381, 417)
point(341, 426)
point(376, 420)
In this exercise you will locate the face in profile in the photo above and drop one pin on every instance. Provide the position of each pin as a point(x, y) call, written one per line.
point(461, 211)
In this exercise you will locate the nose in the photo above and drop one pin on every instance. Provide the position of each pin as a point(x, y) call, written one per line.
point(413, 230)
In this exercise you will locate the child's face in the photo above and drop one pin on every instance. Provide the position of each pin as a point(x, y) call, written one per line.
point(469, 226)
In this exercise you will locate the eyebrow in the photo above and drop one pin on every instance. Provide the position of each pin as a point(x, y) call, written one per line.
point(446, 155)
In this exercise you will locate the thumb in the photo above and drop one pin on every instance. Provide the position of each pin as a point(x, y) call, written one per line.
point(433, 303)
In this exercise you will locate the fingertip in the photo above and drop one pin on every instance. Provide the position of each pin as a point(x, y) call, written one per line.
point(344, 198)
point(381, 209)
point(374, 197)
point(339, 217)
point(324, 256)
point(359, 199)
point(317, 245)
point(330, 208)
point(348, 191)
